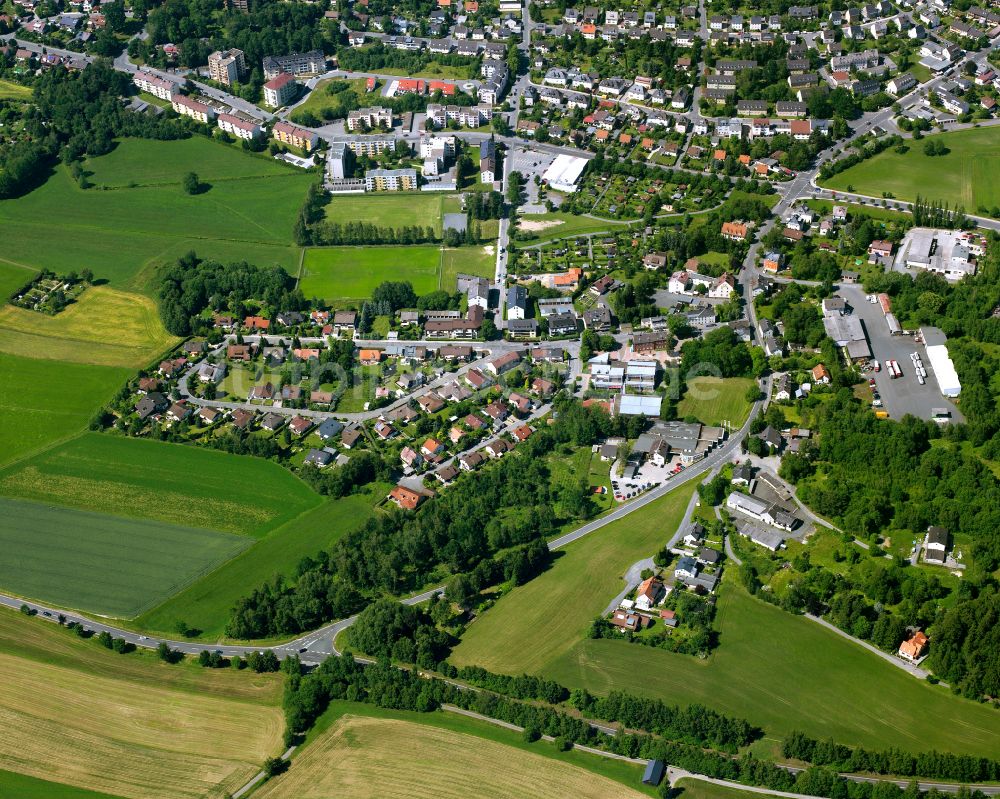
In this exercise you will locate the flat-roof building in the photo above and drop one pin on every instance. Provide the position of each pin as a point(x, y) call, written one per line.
point(564, 172)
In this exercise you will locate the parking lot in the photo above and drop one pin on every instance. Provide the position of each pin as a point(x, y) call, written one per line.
point(530, 163)
point(904, 394)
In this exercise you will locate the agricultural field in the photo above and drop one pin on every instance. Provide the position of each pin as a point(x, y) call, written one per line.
point(205, 605)
point(415, 755)
point(350, 274)
point(105, 326)
point(122, 234)
point(36, 410)
point(77, 559)
point(13, 277)
point(390, 209)
point(968, 175)
point(128, 738)
point(144, 162)
point(173, 483)
point(520, 633)
point(24, 787)
point(713, 400)
point(780, 671)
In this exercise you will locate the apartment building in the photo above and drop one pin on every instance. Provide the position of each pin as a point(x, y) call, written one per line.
point(239, 127)
point(227, 66)
point(369, 118)
point(372, 145)
point(339, 160)
point(156, 86)
point(391, 180)
point(280, 90)
point(189, 107)
point(487, 161)
point(289, 134)
point(311, 63)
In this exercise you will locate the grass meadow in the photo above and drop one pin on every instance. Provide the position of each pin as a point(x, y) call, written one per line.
point(206, 604)
point(713, 400)
point(779, 671)
point(341, 274)
point(128, 735)
point(170, 483)
point(13, 277)
point(13, 91)
point(390, 210)
point(105, 327)
point(478, 260)
point(24, 787)
point(123, 233)
point(558, 225)
point(968, 175)
point(100, 563)
point(42, 402)
point(410, 754)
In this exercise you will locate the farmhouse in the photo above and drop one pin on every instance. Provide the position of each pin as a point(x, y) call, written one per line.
point(913, 648)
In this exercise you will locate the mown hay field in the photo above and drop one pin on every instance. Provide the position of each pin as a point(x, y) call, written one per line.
point(361, 757)
point(134, 740)
point(104, 326)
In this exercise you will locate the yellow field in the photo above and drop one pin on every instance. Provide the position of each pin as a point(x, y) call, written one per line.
point(128, 739)
point(362, 757)
point(105, 326)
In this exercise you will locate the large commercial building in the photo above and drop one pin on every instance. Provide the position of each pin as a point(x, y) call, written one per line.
point(311, 63)
point(564, 172)
point(947, 252)
point(227, 66)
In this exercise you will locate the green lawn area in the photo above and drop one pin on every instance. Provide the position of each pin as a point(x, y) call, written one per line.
point(714, 400)
point(104, 564)
point(43, 401)
point(320, 98)
point(389, 209)
point(13, 91)
point(969, 175)
point(341, 274)
point(143, 162)
point(184, 485)
point(474, 260)
point(24, 787)
point(557, 225)
point(206, 604)
point(541, 621)
point(122, 234)
point(699, 789)
point(104, 326)
point(566, 470)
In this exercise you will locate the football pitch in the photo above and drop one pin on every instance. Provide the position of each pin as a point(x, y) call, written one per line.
point(100, 563)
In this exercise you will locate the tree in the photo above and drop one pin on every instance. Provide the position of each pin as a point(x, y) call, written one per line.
point(191, 183)
point(460, 591)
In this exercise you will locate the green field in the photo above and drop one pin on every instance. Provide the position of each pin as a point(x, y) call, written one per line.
point(699, 789)
point(969, 175)
point(780, 671)
point(339, 274)
point(13, 91)
point(206, 604)
point(538, 622)
point(100, 563)
point(714, 400)
point(22, 786)
point(122, 234)
point(13, 277)
point(42, 402)
point(104, 326)
point(141, 162)
point(390, 209)
point(557, 225)
point(319, 99)
point(479, 260)
point(172, 483)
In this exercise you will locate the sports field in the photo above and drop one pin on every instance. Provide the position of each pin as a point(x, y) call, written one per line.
point(968, 175)
point(170, 483)
point(104, 326)
point(390, 210)
point(122, 234)
point(99, 563)
point(42, 402)
point(339, 274)
point(128, 738)
point(714, 400)
point(360, 756)
point(541, 620)
point(206, 604)
point(143, 162)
